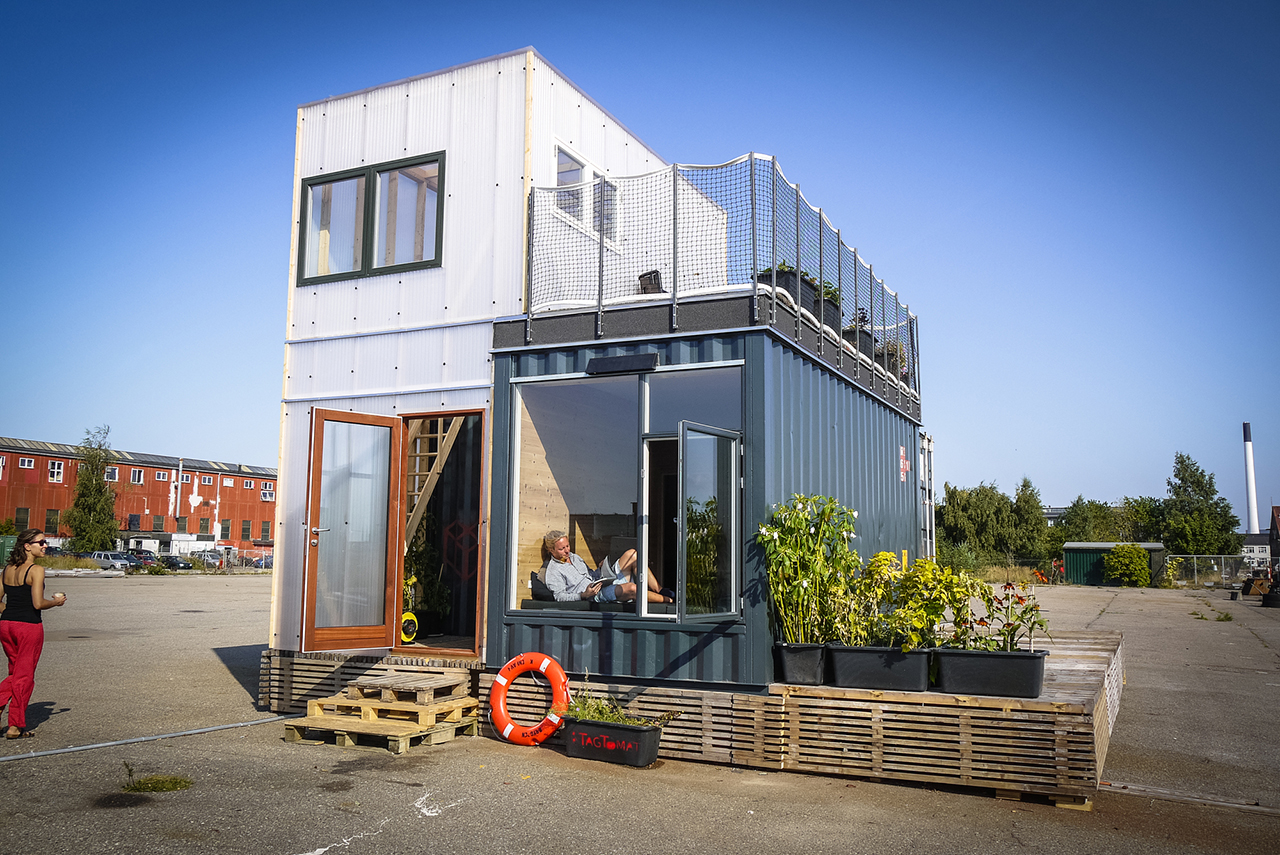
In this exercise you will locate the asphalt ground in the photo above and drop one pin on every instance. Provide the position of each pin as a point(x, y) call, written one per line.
point(145, 656)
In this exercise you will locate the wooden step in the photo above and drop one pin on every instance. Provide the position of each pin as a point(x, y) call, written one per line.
point(365, 709)
point(399, 736)
point(414, 688)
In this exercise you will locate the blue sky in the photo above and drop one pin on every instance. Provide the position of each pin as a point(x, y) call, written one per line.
point(1079, 200)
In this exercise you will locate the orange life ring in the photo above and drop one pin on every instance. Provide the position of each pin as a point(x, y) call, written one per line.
point(523, 664)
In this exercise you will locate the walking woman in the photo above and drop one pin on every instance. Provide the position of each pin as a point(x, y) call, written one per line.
point(21, 631)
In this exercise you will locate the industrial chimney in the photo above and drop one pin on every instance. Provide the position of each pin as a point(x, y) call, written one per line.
point(1251, 494)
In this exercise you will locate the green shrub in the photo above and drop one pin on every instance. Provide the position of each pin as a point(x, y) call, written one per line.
point(957, 557)
point(1127, 565)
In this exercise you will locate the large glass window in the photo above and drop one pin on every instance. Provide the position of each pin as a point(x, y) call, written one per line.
point(335, 227)
point(584, 467)
point(406, 224)
point(366, 221)
point(568, 171)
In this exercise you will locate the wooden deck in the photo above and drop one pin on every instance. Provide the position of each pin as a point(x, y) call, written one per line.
point(1054, 745)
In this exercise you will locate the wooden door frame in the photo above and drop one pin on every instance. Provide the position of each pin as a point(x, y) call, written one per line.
point(354, 638)
point(482, 550)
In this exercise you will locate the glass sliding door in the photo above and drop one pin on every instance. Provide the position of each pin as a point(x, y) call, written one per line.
point(353, 526)
point(708, 512)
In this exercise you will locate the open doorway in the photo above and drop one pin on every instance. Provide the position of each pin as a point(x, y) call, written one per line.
point(444, 478)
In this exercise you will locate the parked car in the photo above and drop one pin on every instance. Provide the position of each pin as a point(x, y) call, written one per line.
point(263, 563)
point(175, 562)
point(210, 559)
point(110, 560)
point(146, 556)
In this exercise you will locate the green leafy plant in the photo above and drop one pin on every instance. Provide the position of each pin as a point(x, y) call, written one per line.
point(1168, 577)
point(896, 606)
point(586, 706)
point(811, 563)
point(1128, 565)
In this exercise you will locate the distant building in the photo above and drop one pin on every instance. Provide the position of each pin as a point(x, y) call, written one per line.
point(1052, 515)
point(166, 504)
point(1257, 550)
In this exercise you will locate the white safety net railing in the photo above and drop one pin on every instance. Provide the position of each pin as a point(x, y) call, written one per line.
point(688, 232)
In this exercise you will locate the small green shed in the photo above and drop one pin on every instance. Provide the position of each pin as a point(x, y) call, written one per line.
point(1083, 561)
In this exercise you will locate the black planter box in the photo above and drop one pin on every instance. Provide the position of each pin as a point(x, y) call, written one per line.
point(628, 744)
point(1019, 674)
point(831, 313)
point(877, 668)
point(800, 664)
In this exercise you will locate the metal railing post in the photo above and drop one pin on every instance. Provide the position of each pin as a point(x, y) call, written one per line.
point(799, 290)
point(840, 292)
point(597, 201)
point(675, 244)
point(528, 276)
point(773, 240)
point(857, 319)
point(821, 301)
point(755, 278)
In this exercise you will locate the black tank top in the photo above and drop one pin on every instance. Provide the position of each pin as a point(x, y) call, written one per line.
point(17, 603)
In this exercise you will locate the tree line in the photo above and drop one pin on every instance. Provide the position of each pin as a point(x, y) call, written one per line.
point(981, 526)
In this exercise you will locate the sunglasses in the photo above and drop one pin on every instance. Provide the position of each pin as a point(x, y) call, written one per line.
point(39, 542)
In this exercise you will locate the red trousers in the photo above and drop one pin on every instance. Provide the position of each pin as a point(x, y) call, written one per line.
point(22, 644)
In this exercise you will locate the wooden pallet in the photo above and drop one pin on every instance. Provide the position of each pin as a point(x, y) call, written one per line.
point(368, 709)
point(289, 679)
point(347, 731)
point(715, 727)
point(411, 688)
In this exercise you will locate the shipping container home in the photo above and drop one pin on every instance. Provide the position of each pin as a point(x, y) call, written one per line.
point(507, 316)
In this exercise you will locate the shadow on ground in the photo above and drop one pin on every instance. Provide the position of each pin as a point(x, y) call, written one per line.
point(244, 662)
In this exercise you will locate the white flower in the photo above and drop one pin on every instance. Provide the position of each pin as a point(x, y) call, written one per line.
point(804, 584)
point(812, 530)
point(855, 515)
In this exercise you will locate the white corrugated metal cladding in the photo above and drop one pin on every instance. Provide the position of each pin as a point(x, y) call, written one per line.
point(418, 341)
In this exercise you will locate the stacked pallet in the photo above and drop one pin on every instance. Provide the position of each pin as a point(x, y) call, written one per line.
point(713, 727)
point(400, 708)
point(288, 680)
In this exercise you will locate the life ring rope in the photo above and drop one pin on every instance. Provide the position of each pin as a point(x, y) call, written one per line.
point(523, 664)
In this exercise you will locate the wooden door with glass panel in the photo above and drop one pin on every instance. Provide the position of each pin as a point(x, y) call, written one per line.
point(354, 528)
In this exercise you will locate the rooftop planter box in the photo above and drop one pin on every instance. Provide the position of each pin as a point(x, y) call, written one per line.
point(888, 668)
point(1006, 674)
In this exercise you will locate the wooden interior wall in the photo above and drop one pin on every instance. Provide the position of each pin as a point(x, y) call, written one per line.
point(542, 508)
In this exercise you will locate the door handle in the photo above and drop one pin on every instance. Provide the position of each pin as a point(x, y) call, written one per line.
point(318, 530)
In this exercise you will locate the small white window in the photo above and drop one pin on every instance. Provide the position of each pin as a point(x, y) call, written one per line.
point(186, 477)
point(26, 463)
point(112, 474)
point(162, 476)
point(206, 480)
point(55, 471)
point(136, 476)
point(268, 495)
point(248, 485)
point(267, 485)
point(228, 482)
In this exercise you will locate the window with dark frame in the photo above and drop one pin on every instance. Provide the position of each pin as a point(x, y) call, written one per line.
point(363, 222)
point(266, 530)
point(157, 522)
point(246, 530)
point(204, 525)
point(224, 527)
point(21, 518)
point(51, 522)
point(182, 525)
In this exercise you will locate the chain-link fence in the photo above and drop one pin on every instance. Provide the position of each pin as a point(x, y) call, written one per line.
point(690, 232)
point(1207, 569)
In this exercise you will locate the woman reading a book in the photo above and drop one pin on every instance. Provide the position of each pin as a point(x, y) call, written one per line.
point(569, 578)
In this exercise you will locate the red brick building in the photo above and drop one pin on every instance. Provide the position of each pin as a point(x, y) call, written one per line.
point(166, 504)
